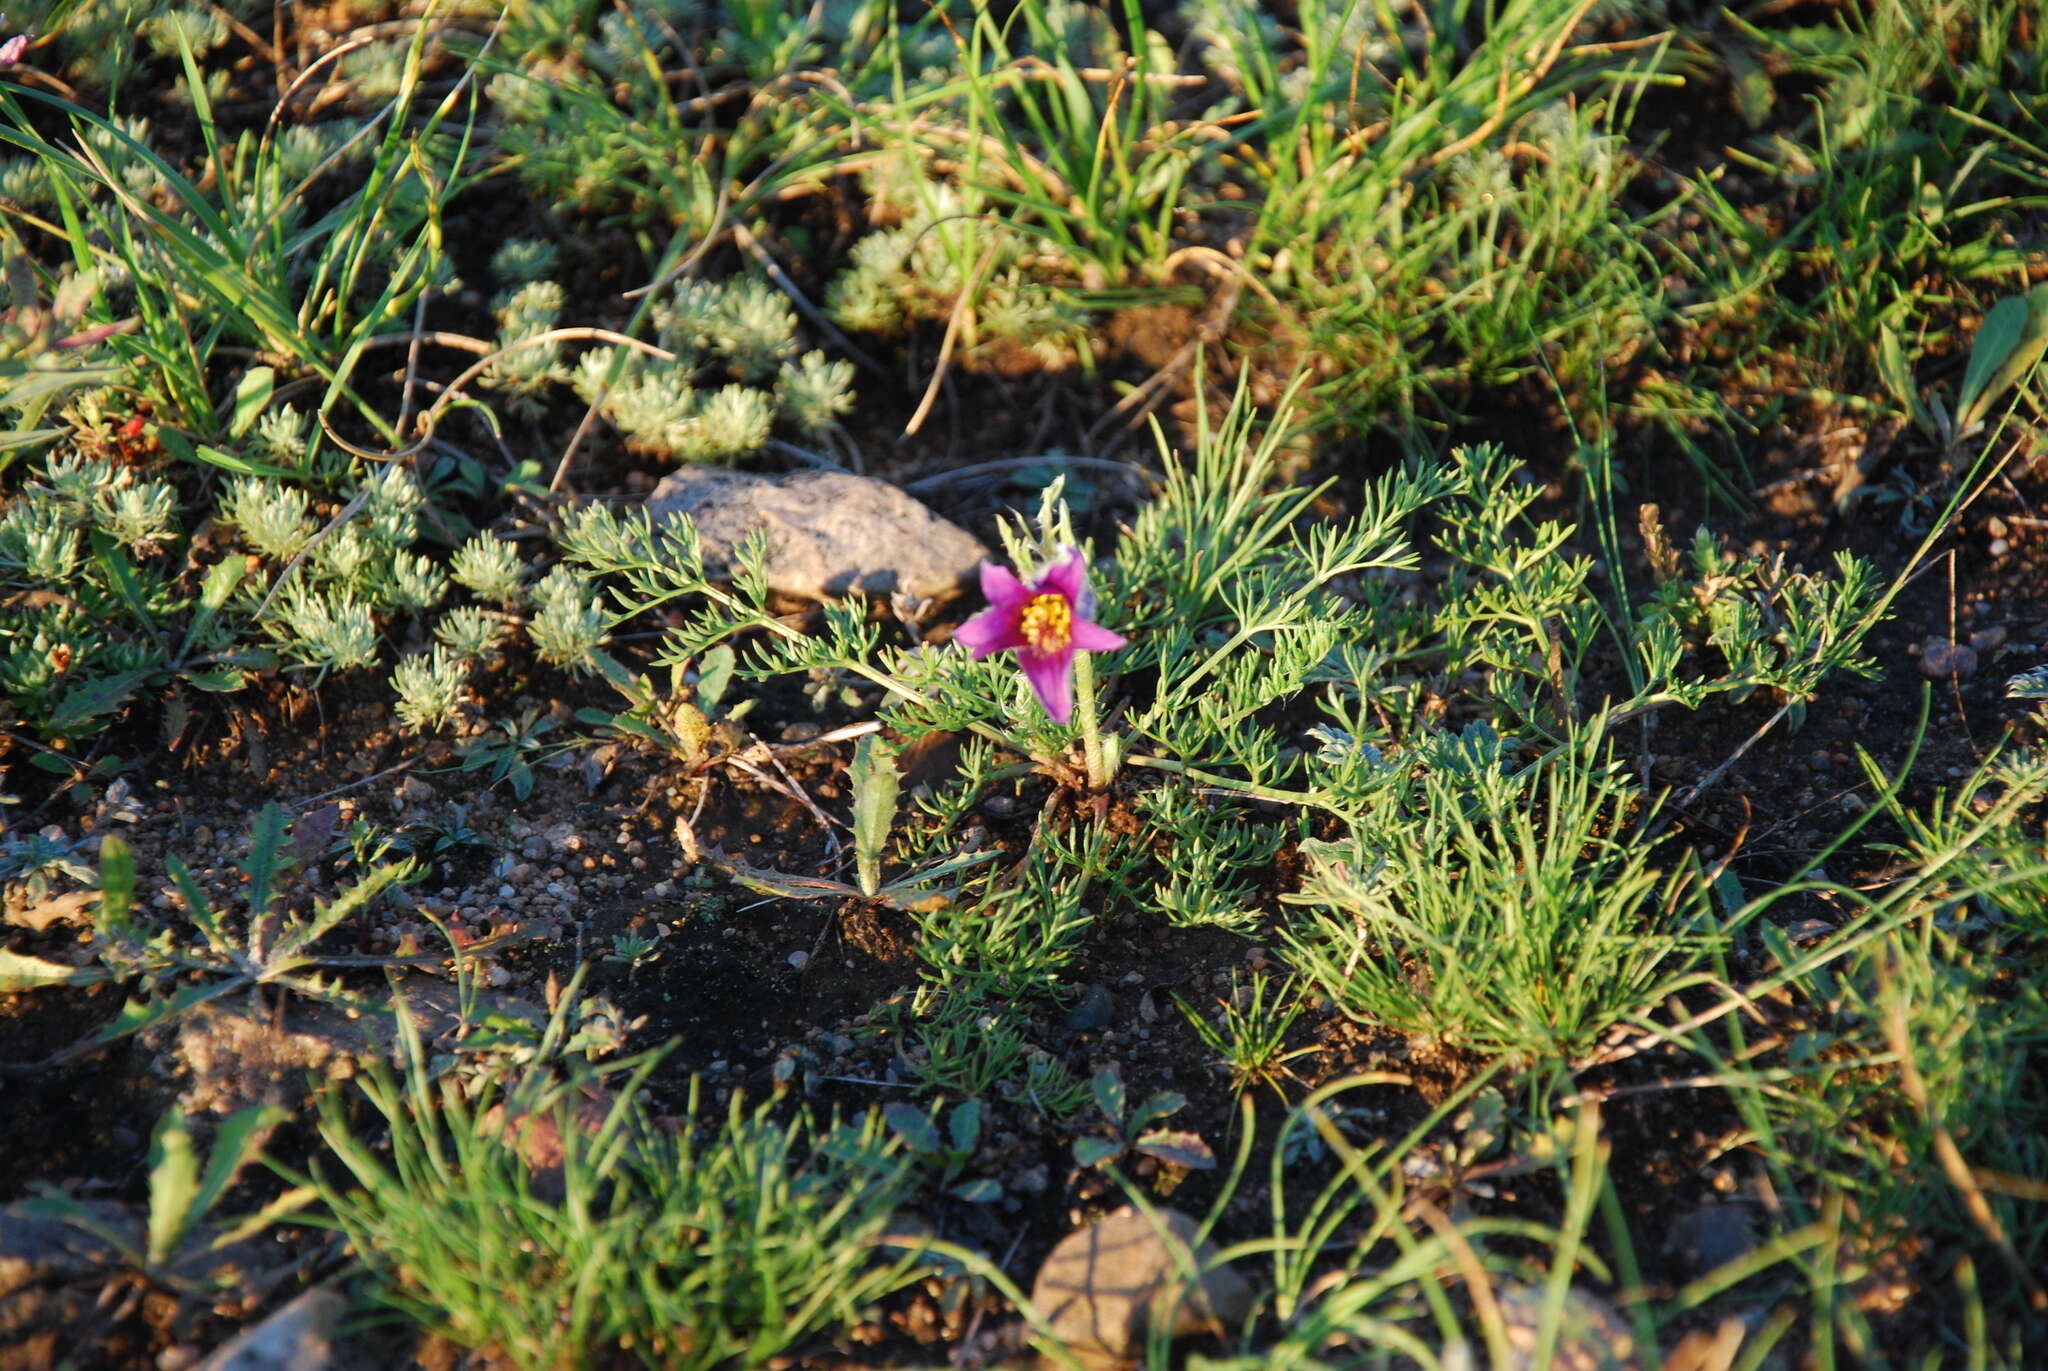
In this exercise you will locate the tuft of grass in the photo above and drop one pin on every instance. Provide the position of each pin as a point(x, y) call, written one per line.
point(1249, 1035)
point(724, 1241)
point(1513, 911)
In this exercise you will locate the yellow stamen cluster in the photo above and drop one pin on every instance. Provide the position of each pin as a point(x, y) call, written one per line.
point(1047, 622)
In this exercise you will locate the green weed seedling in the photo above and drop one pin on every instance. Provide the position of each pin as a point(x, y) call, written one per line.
point(2003, 355)
point(692, 723)
point(183, 1245)
point(1047, 1086)
point(1131, 1130)
point(270, 945)
point(1249, 1035)
point(876, 782)
point(512, 748)
point(946, 1157)
point(33, 864)
point(634, 949)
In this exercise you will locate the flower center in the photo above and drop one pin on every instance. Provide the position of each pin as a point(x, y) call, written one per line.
point(1047, 622)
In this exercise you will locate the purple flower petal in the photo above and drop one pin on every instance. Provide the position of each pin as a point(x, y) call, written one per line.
point(1069, 577)
point(1000, 586)
point(1052, 680)
point(1095, 638)
point(13, 49)
point(992, 630)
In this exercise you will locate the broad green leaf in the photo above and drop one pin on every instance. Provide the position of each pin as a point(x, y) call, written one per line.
point(43, 384)
point(266, 845)
point(106, 695)
point(299, 936)
point(1728, 893)
point(2009, 343)
point(117, 881)
point(240, 466)
point(252, 397)
point(248, 1226)
point(198, 907)
point(1182, 1149)
point(234, 1144)
point(1158, 1107)
point(714, 675)
point(912, 1125)
point(1897, 375)
point(173, 1185)
point(1754, 91)
point(1095, 1151)
point(789, 887)
point(19, 972)
point(114, 561)
point(1109, 1094)
point(137, 1015)
point(55, 1205)
point(964, 1125)
point(919, 887)
point(221, 579)
point(28, 438)
point(614, 671)
point(1996, 338)
point(876, 783)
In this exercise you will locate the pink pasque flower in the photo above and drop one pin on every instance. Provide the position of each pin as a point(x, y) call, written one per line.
point(1045, 622)
point(15, 48)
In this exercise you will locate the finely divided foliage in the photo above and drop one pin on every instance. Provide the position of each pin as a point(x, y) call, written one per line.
point(1371, 713)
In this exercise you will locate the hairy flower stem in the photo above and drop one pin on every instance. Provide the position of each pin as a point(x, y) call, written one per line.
point(1084, 717)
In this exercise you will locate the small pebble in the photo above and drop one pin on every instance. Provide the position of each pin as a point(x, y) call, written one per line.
point(1941, 658)
point(799, 959)
point(1095, 1008)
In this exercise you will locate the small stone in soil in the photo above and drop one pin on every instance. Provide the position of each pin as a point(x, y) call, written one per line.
point(1095, 1009)
point(1711, 1237)
point(829, 533)
point(1940, 658)
point(1591, 1336)
point(298, 1336)
point(1103, 1286)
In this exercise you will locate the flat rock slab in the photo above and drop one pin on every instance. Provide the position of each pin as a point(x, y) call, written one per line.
point(830, 533)
point(1591, 1336)
point(298, 1337)
point(1102, 1287)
